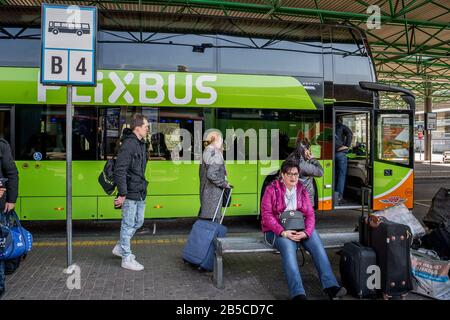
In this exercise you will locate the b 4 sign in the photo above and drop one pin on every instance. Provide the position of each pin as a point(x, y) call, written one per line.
point(68, 45)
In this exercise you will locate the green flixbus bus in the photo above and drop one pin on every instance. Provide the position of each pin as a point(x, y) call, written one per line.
point(297, 83)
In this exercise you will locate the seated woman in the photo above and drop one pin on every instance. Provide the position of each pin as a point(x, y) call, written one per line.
point(287, 193)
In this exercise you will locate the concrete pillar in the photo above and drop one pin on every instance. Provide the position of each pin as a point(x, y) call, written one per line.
point(428, 108)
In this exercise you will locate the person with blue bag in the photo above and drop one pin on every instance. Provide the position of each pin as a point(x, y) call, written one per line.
point(213, 175)
point(215, 193)
point(9, 189)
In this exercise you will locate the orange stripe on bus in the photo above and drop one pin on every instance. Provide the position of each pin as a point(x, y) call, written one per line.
point(403, 194)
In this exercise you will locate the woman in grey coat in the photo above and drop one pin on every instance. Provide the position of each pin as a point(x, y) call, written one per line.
point(213, 176)
point(309, 166)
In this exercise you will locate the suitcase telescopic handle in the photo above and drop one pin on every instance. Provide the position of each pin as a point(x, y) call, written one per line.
point(220, 204)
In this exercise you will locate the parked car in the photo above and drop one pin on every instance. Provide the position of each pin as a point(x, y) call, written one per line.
point(446, 156)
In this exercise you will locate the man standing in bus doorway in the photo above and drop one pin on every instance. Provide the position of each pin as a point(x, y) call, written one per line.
point(8, 192)
point(129, 176)
point(343, 141)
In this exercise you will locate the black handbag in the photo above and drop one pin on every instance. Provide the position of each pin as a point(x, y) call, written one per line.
point(292, 220)
point(226, 199)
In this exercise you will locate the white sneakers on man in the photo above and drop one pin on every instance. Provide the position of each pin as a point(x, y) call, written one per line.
point(131, 264)
point(117, 251)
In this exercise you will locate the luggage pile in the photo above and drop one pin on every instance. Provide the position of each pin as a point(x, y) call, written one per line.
point(430, 254)
point(395, 255)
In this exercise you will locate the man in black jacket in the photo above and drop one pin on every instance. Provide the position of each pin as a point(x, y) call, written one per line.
point(129, 176)
point(8, 192)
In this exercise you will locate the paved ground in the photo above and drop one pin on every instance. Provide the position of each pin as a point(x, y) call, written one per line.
point(247, 276)
point(437, 170)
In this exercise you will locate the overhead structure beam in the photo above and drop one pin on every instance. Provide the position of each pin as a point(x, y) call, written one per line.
point(419, 42)
point(276, 8)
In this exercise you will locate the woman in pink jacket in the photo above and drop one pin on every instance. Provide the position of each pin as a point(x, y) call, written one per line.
point(284, 194)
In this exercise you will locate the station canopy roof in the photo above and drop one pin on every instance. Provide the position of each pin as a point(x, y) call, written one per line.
point(411, 48)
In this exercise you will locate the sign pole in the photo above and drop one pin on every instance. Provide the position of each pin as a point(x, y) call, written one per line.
point(69, 41)
point(420, 149)
point(431, 150)
point(69, 115)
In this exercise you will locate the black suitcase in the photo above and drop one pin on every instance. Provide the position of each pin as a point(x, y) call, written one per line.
point(353, 266)
point(391, 242)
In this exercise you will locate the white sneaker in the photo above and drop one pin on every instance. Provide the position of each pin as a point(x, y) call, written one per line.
point(117, 251)
point(131, 264)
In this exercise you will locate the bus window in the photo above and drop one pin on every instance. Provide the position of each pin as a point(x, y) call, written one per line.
point(293, 126)
point(84, 136)
point(359, 125)
point(165, 138)
point(261, 56)
point(109, 132)
point(164, 133)
point(44, 132)
point(351, 62)
point(20, 52)
point(394, 134)
point(168, 51)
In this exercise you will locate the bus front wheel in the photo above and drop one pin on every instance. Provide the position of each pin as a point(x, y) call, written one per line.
point(79, 33)
point(55, 31)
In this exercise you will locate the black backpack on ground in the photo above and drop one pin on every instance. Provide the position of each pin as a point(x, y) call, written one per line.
point(440, 209)
point(438, 240)
point(106, 177)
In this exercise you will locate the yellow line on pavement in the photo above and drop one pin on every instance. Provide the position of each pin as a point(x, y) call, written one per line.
point(90, 243)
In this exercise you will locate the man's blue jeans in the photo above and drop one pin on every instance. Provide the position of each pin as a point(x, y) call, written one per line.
point(341, 171)
point(288, 250)
point(132, 220)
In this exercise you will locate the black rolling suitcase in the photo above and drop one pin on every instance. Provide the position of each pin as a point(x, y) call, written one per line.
point(354, 268)
point(391, 242)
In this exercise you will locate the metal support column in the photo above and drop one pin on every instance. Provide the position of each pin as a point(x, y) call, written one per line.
point(69, 116)
point(428, 108)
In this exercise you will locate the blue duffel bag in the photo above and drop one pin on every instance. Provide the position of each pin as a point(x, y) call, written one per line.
point(18, 240)
point(5, 238)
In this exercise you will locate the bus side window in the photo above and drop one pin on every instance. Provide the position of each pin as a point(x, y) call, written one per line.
point(167, 128)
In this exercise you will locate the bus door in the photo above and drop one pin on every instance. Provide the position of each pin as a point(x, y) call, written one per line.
point(352, 165)
point(393, 159)
point(6, 124)
point(393, 145)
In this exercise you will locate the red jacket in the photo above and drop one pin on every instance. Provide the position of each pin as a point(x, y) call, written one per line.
point(273, 205)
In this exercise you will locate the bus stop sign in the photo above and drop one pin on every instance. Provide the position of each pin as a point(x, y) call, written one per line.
point(430, 120)
point(68, 45)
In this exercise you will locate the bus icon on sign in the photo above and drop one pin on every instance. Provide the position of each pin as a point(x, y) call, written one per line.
point(56, 27)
